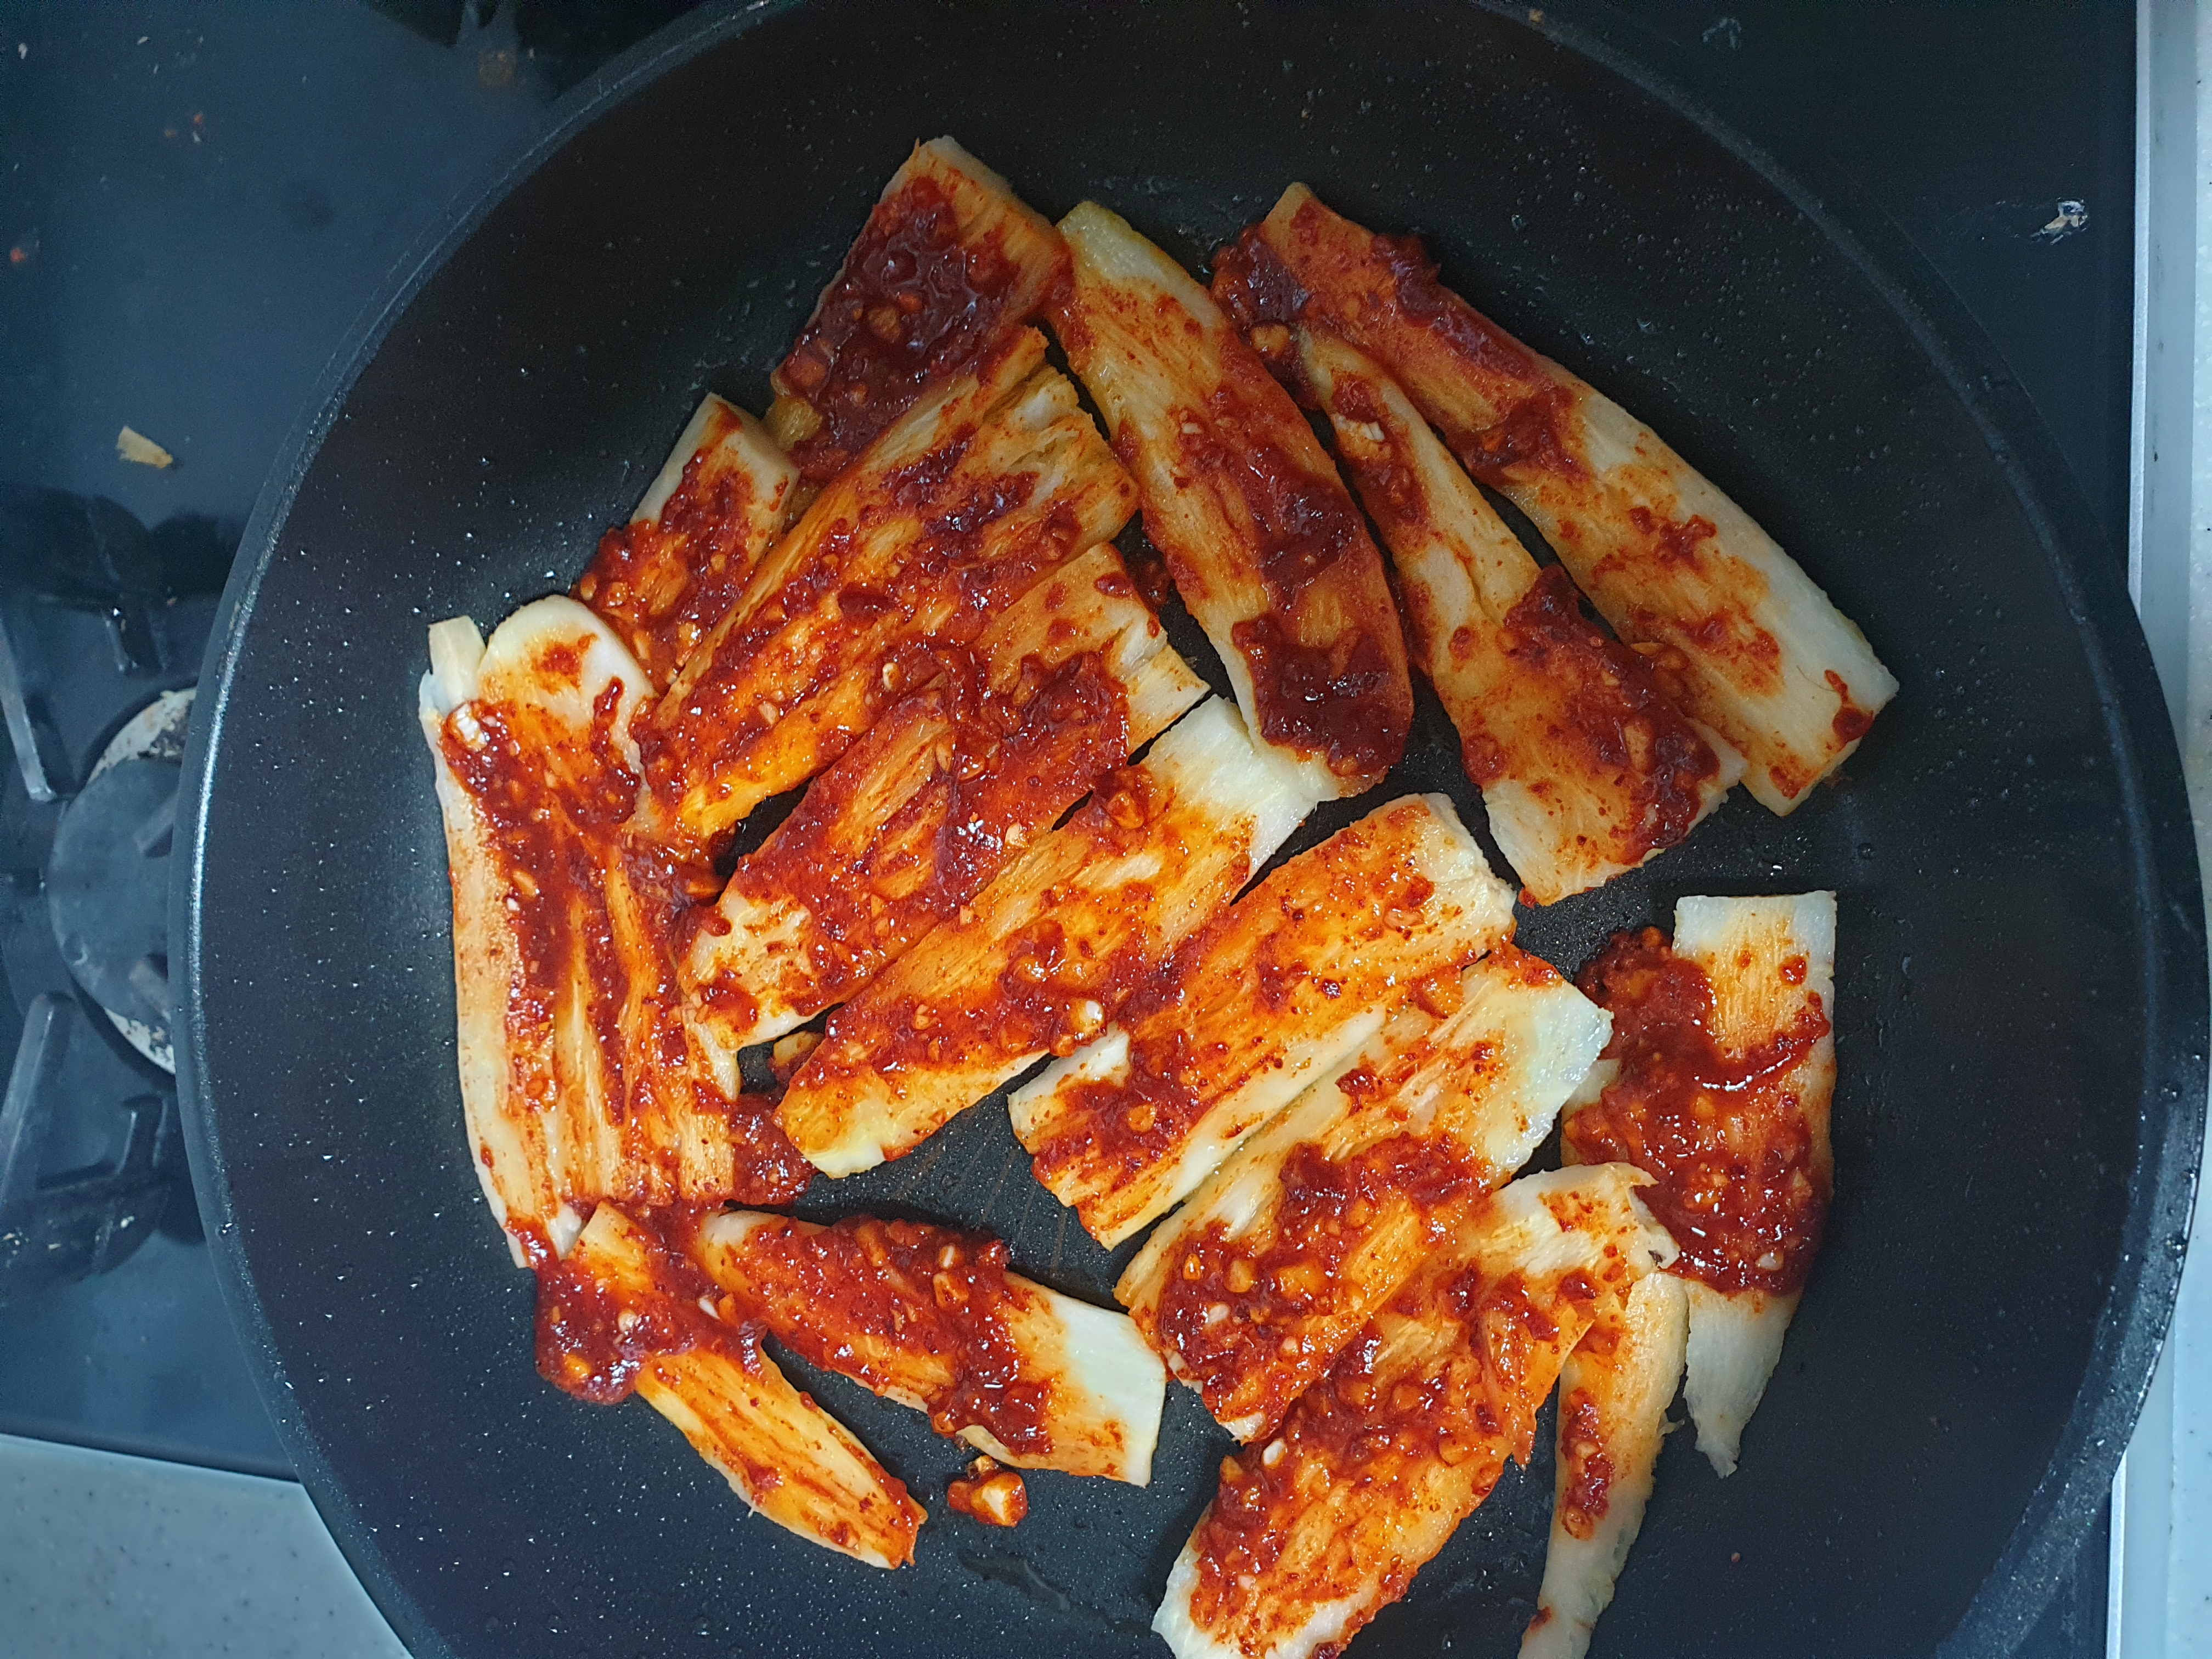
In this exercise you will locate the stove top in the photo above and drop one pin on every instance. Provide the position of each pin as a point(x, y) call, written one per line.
point(196, 206)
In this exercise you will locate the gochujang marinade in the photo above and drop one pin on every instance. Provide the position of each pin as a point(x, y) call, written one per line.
point(948, 263)
point(1253, 1288)
point(1046, 954)
point(946, 789)
point(668, 575)
point(1716, 1082)
point(1739, 637)
point(1264, 545)
point(1312, 1535)
point(1279, 989)
point(1586, 766)
point(932, 1317)
point(625, 1312)
point(983, 486)
point(579, 1076)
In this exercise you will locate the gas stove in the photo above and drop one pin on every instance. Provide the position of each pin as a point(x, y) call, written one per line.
point(197, 205)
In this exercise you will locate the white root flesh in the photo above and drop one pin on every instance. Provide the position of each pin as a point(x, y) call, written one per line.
point(788, 1459)
point(917, 802)
point(1479, 1089)
point(1752, 647)
point(1230, 473)
point(1614, 1395)
point(1156, 852)
point(1461, 1361)
point(1284, 989)
point(1104, 1386)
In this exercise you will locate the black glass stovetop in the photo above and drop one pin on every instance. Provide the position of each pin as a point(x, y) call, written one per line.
point(197, 203)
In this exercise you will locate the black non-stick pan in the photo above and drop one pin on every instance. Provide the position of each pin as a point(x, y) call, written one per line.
point(2021, 979)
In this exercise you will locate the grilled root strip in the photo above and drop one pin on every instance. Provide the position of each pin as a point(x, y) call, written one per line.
point(947, 789)
point(1048, 952)
point(930, 1318)
point(1586, 766)
point(781, 1453)
point(1747, 1209)
point(665, 578)
point(964, 501)
point(577, 1078)
point(1738, 632)
point(1377, 1464)
point(948, 263)
point(1266, 548)
point(1276, 991)
point(1317, 1220)
point(1613, 1396)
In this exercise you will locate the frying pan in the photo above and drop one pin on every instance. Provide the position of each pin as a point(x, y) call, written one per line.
point(2021, 974)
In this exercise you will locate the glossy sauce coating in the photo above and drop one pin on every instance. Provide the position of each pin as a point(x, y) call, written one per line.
point(1008, 760)
point(913, 303)
point(857, 1296)
point(1054, 989)
point(594, 911)
point(1586, 1493)
point(1612, 716)
point(1726, 1141)
point(594, 1337)
point(664, 582)
point(1345, 699)
point(1228, 1309)
point(1374, 1433)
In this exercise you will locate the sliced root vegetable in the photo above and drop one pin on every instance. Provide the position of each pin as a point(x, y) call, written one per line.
point(1312, 1534)
point(943, 793)
point(637, 1324)
point(1613, 1396)
point(1253, 1288)
point(931, 1317)
point(1587, 766)
point(1738, 633)
point(1266, 548)
point(1720, 1073)
point(665, 578)
point(979, 489)
point(577, 1076)
point(948, 263)
point(1047, 952)
point(1281, 988)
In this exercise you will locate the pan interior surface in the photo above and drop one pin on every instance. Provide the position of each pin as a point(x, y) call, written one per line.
point(2018, 998)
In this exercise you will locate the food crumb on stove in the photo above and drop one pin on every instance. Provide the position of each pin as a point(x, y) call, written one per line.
point(991, 1494)
point(138, 447)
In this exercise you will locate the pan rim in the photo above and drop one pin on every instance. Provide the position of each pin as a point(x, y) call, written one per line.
point(2177, 1008)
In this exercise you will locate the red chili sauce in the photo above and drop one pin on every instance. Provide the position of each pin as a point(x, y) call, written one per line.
point(1084, 948)
point(1385, 290)
point(827, 631)
point(1345, 699)
point(869, 1299)
point(913, 303)
point(596, 1332)
point(1008, 761)
point(665, 583)
point(1611, 716)
point(1726, 1141)
point(1587, 1493)
point(557, 827)
point(1280, 1286)
point(1382, 1434)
